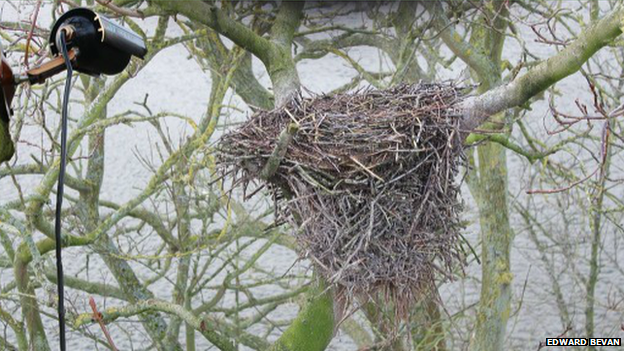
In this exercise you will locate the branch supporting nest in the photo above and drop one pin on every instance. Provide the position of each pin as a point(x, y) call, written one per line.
point(374, 175)
point(272, 164)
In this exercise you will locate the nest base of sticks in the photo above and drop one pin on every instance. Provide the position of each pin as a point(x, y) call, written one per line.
point(369, 181)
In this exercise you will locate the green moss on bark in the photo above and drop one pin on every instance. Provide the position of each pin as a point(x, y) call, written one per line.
point(6, 145)
point(313, 328)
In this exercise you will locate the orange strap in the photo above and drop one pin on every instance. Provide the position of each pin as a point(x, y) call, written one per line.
point(40, 73)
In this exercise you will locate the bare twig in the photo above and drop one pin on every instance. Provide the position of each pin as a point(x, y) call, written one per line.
point(97, 316)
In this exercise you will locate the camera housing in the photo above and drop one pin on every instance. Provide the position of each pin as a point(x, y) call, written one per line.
point(102, 46)
point(95, 46)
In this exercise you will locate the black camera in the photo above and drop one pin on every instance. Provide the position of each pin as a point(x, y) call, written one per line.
point(95, 45)
point(103, 46)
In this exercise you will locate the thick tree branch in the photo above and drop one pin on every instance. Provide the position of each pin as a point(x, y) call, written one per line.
point(274, 53)
point(216, 19)
point(286, 23)
point(474, 58)
point(568, 61)
point(313, 328)
point(276, 157)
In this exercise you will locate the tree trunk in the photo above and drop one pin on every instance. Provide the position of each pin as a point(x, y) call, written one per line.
point(496, 238)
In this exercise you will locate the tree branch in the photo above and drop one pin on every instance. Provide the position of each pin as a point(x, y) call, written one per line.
point(318, 48)
point(216, 19)
point(503, 140)
point(477, 109)
point(468, 53)
point(278, 153)
point(286, 23)
point(153, 305)
point(313, 328)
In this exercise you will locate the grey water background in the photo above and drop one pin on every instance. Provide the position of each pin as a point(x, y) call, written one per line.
point(177, 84)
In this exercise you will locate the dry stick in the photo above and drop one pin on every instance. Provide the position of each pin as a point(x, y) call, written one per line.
point(368, 170)
point(120, 10)
point(97, 316)
point(31, 32)
point(278, 153)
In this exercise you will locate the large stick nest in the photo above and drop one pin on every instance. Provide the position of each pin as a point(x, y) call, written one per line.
point(369, 180)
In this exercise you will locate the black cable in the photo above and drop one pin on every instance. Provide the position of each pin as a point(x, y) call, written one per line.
point(59, 195)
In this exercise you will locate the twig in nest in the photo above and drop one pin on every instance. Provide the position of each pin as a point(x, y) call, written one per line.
point(374, 175)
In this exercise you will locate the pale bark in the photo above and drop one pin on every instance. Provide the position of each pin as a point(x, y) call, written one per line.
point(516, 93)
point(496, 237)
